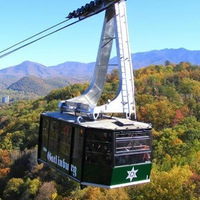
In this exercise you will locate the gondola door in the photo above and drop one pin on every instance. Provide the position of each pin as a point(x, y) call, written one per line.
point(77, 153)
point(43, 139)
point(64, 149)
point(55, 143)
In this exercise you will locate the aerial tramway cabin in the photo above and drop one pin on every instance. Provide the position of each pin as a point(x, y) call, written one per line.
point(84, 141)
point(106, 153)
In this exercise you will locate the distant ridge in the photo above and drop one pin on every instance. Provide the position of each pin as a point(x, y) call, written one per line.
point(36, 85)
point(68, 69)
point(144, 59)
point(27, 68)
point(79, 72)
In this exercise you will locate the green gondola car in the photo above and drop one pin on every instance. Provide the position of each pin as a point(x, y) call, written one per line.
point(106, 153)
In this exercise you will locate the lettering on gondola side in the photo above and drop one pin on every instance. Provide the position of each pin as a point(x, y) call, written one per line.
point(74, 170)
point(61, 163)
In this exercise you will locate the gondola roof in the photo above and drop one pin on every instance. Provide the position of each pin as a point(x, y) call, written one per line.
point(113, 123)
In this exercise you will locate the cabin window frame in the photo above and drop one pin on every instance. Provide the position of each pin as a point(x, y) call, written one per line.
point(99, 147)
point(137, 148)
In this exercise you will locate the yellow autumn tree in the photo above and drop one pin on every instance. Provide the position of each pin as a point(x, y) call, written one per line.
point(159, 113)
point(94, 193)
point(168, 185)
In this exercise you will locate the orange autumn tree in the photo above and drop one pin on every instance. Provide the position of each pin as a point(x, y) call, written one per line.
point(5, 161)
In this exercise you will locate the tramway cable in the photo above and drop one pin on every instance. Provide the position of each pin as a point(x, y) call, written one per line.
point(18, 48)
point(84, 12)
point(34, 35)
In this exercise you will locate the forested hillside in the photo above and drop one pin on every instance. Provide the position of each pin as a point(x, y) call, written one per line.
point(166, 96)
point(32, 87)
point(38, 86)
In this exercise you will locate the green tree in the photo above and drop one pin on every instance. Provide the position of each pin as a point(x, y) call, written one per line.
point(14, 189)
point(6, 143)
point(17, 139)
point(167, 63)
point(31, 188)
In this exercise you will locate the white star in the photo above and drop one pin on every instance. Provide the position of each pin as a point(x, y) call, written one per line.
point(132, 174)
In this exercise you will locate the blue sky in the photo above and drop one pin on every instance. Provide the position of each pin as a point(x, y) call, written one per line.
point(152, 24)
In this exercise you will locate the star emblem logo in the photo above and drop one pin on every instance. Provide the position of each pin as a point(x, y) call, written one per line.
point(132, 174)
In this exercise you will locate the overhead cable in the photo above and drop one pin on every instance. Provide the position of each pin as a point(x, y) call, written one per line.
point(34, 36)
point(84, 12)
point(16, 49)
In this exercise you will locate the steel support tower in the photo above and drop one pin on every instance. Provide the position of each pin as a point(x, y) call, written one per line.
point(114, 27)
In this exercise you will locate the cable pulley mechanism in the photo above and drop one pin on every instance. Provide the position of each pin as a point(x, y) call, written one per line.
point(92, 8)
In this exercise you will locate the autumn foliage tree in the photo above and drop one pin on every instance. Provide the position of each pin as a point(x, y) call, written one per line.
point(5, 162)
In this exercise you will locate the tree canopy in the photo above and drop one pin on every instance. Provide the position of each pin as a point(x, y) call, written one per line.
point(166, 96)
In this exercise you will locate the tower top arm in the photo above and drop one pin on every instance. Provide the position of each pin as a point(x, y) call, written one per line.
point(114, 27)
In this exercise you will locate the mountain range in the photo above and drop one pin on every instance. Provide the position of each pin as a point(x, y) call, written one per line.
point(79, 71)
point(71, 72)
point(75, 70)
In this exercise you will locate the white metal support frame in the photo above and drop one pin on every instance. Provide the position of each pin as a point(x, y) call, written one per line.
point(115, 26)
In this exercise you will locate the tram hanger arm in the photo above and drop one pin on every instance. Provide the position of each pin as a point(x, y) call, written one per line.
point(92, 8)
